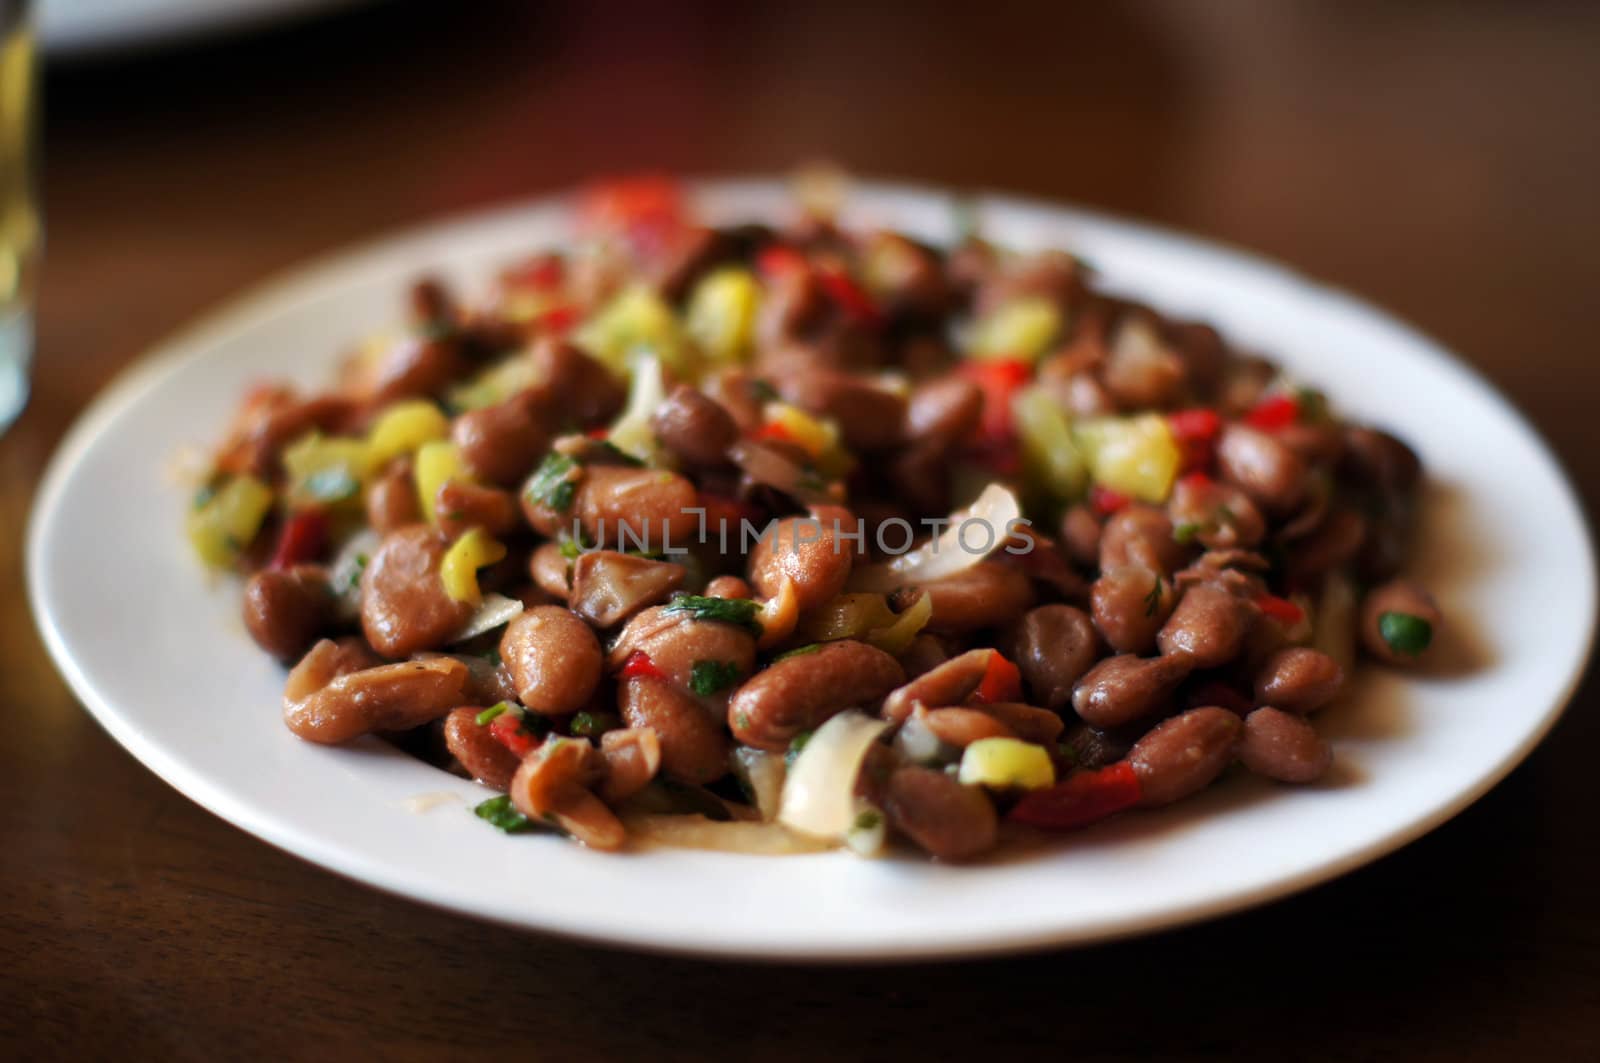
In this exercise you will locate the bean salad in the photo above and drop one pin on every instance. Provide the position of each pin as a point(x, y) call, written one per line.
point(783, 538)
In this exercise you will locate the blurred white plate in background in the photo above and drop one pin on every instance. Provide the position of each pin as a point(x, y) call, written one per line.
point(82, 27)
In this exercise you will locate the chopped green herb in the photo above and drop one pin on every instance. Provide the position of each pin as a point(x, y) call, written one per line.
point(617, 454)
point(487, 715)
point(551, 484)
point(739, 611)
point(1186, 532)
point(1152, 601)
point(355, 571)
point(709, 677)
point(332, 484)
point(763, 391)
point(867, 819)
point(796, 745)
point(1405, 633)
point(569, 548)
point(1313, 405)
point(798, 651)
point(501, 814)
point(203, 497)
point(592, 724)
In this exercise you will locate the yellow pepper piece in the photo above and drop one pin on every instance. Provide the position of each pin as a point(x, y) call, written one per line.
point(1136, 456)
point(637, 321)
point(437, 461)
point(1022, 328)
point(495, 384)
point(819, 438)
point(325, 470)
point(908, 625)
point(402, 428)
point(221, 525)
point(458, 569)
point(1006, 764)
point(722, 314)
point(1050, 459)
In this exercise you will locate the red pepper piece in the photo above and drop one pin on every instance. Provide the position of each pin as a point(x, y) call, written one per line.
point(774, 431)
point(1282, 610)
point(542, 273)
point(1196, 433)
point(558, 319)
point(776, 260)
point(848, 294)
point(1081, 799)
point(1105, 501)
point(999, 379)
point(640, 665)
point(1280, 411)
point(507, 729)
point(1197, 479)
point(304, 535)
point(1002, 681)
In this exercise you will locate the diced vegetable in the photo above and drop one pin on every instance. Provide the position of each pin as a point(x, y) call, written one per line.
point(554, 482)
point(1002, 681)
point(1022, 328)
point(1050, 459)
point(908, 625)
point(1081, 799)
point(224, 522)
point(963, 544)
point(999, 379)
point(496, 610)
point(868, 831)
point(402, 428)
point(639, 665)
point(1136, 456)
point(302, 538)
point(1006, 764)
point(867, 617)
point(818, 438)
point(324, 470)
point(495, 384)
point(762, 774)
point(1273, 413)
point(1282, 610)
point(636, 322)
point(1405, 633)
point(722, 314)
point(501, 814)
point(437, 462)
point(633, 433)
point(819, 793)
point(739, 611)
point(712, 677)
point(458, 569)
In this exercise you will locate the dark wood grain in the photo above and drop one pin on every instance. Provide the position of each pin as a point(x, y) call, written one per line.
point(1440, 158)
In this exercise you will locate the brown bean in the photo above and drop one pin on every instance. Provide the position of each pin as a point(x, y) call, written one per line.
point(484, 757)
point(870, 418)
point(326, 661)
point(1080, 534)
point(633, 757)
point(1141, 370)
point(1216, 515)
point(1130, 603)
point(554, 659)
point(1124, 688)
point(801, 693)
point(960, 727)
point(948, 683)
point(551, 570)
point(1410, 606)
point(416, 366)
point(623, 507)
point(1333, 545)
point(694, 748)
point(286, 610)
point(575, 387)
point(1298, 679)
point(1029, 723)
point(608, 587)
point(1141, 535)
point(1269, 472)
point(404, 607)
point(988, 594)
point(390, 697)
point(949, 820)
point(807, 550)
point(1375, 458)
point(1184, 754)
point(552, 783)
point(1283, 746)
point(500, 444)
point(1053, 646)
point(1090, 747)
point(694, 427)
point(924, 654)
point(728, 587)
point(392, 499)
point(1202, 351)
point(945, 410)
point(1318, 443)
point(676, 641)
point(462, 505)
point(1209, 626)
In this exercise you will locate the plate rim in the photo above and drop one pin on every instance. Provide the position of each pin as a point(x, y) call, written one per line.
point(193, 341)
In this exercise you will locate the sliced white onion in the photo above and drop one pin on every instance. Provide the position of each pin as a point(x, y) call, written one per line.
point(819, 793)
point(632, 433)
point(868, 832)
point(344, 575)
point(949, 553)
point(496, 610)
point(763, 773)
point(917, 744)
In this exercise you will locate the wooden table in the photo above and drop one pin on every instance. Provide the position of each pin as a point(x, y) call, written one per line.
point(1441, 159)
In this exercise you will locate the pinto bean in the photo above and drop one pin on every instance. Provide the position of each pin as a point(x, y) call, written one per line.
point(1130, 603)
point(622, 506)
point(694, 748)
point(801, 693)
point(1297, 679)
point(392, 499)
point(1217, 515)
point(1141, 370)
point(870, 418)
point(924, 654)
point(949, 820)
point(1316, 443)
point(467, 505)
point(1283, 746)
point(326, 661)
point(416, 366)
point(633, 757)
point(728, 587)
point(1080, 534)
point(1053, 646)
point(807, 550)
point(608, 587)
point(960, 727)
point(286, 610)
point(404, 607)
point(1090, 747)
point(499, 444)
point(551, 570)
point(1141, 535)
point(1124, 688)
point(945, 410)
point(554, 659)
point(1334, 544)
point(1415, 621)
point(552, 783)
point(1209, 626)
point(1029, 723)
point(948, 683)
point(390, 697)
point(694, 427)
point(1264, 468)
point(477, 750)
point(575, 386)
point(675, 642)
point(1201, 348)
point(1372, 457)
point(1184, 754)
point(988, 594)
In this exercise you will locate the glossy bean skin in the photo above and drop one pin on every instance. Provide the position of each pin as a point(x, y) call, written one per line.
point(622, 506)
point(1139, 534)
point(554, 659)
point(500, 444)
point(870, 418)
point(1091, 747)
point(1130, 603)
point(483, 756)
point(576, 387)
point(1370, 456)
point(960, 727)
point(950, 821)
point(1209, 626)
point(694, 427)
point(945, 410)
point(461, 506)
point(808, 551)
point(801, 693)
point(390, 697)
point(1053, 646)
point(1261, 466)
point(404, 607)
point(1220, 515)
point(1283, 746)
point(391, 501)
point(326, 661)
point(1125, 688)
point(632, 757)
point(1398, 596)
point(286, 610)
point(729, 587)
point(1185, 754)
point(1332, 544)
point(608, 587)
point(415, 367)
point(1080, 534)
point(949, 682)
point(694, 748)
point(1299, 680)
point(1141, 370)
point(986, 595)
point(1028, 722)
point(553, 784)
point(551, 570)
point(675, 642)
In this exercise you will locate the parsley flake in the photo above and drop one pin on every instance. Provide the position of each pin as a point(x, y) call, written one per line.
point(737, 611)
point(709, 677)
point(552, 483)
point(501, 814)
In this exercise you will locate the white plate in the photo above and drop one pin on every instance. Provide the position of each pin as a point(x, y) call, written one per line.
point(83, 27)
point(162, 660)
